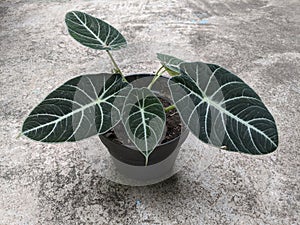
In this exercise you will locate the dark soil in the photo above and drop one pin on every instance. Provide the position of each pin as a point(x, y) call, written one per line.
point(173, 124)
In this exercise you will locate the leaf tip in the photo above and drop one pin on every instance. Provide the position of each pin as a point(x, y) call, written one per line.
point(19, 135)
point(146, 160)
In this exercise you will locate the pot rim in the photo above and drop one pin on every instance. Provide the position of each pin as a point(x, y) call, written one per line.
point(183, 131)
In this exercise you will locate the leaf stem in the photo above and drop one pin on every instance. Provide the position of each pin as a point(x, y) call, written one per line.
point(117, 69)
point(156, 76)
point(169, 108)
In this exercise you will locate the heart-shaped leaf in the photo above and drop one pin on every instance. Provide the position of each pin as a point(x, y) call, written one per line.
point(144, 120)
point(171, 64)
point(93, 32)
point(81, 107)
point(220, 109)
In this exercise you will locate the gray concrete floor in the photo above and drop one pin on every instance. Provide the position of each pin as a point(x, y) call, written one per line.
point(58, 184)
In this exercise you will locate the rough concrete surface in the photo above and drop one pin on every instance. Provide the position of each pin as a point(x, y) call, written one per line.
point(58, 184)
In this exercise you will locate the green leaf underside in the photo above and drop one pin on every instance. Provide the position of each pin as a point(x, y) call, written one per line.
point(144, 119)
point(93, 32)
point(220, 109)
point(80, 108)
point(171, 64)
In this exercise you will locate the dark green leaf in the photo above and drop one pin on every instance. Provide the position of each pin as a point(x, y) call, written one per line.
point(170, 63)
point(82, 107)
point(93, 32)
point(220, 109)
point(144, 119)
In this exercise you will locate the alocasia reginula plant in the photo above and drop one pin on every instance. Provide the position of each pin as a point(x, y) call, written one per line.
point(214, 104)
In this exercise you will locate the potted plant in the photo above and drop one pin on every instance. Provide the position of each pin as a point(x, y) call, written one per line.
point(132, 114)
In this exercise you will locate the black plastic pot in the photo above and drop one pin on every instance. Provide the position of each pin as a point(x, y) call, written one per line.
point(128, 160)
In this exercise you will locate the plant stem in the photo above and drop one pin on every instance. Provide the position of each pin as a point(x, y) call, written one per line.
point(157, 75)
point(169, 108)
point(117, 69)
